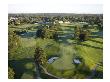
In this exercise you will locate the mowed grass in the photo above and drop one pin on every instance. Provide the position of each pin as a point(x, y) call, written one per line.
point(23, 62)
point(91, 51)
point(27, 48)
point(66, 59)
point(23, 68)
point(33, 27)
point(50, 46)
point(71, 24)
point(24, 26)
point(28, 42)
point(65, 29)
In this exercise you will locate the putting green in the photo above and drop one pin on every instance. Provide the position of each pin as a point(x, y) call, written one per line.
point(66, 51)
point(66, 59)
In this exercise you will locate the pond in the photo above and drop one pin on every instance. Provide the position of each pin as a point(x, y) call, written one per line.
point(52, 59)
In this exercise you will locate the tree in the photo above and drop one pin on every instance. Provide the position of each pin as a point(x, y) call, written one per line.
point(55, 36)
point(13, 43)
point(40, 59)
point(10, 73)
point(46, 33)
point(85, 26)
point(17, 22)
point(40, 56)
point(39, 33)
point(77, 32)
point(82, 34)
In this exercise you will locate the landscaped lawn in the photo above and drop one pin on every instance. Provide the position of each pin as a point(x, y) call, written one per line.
point(28, 42)
point(91, 51)
point(66, 59)
point(66, 48)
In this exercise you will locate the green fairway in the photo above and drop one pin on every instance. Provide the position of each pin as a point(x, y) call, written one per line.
point(24, 26)
point(91, 52)
point(66, 58)
point(28, 42)
point(65, 48)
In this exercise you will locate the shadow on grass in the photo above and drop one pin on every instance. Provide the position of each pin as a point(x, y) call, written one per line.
point(69, 26)
point(97, 34)
point(100, 33)
point(19, 66)
point(45, 76)
point(28, 35)
point(98, 75)
point(63, 40)
point(96, 41)
point(89, 46)
point(69, 30)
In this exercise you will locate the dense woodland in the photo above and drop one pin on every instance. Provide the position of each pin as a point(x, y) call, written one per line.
point(75, 39)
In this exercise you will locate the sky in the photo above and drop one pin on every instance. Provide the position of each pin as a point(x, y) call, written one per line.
point(55, 8)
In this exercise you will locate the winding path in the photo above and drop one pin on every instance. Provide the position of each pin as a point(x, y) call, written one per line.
point(46, 72)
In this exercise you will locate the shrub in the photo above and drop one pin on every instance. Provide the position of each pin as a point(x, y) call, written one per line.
point(10, 73)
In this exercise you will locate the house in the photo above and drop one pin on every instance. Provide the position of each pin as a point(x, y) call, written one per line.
point(60, 22)
point(13, 18)
point(67, 22)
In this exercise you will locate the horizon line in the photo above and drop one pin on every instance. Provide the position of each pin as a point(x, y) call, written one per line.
point(52, 13)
